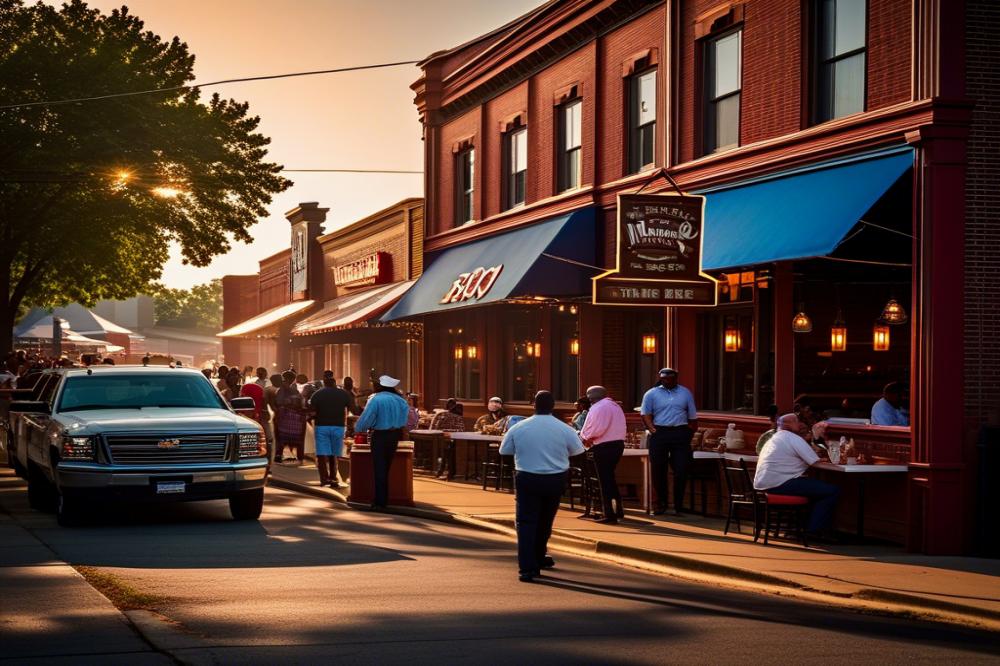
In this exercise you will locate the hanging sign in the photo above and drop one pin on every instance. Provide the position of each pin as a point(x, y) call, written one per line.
point(659, 254)
point(473, 285)
point(375, 268)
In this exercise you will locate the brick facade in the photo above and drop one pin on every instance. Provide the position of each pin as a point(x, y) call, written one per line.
point(982, 218)
point(889, 27)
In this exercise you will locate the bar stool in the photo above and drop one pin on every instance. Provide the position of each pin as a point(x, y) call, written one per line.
point(593, 494)
point(574, 480)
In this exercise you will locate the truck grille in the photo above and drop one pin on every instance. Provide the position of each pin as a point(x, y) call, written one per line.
point(147, 450)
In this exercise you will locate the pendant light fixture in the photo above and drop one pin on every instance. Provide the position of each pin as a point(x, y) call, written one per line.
point(838, 334)
point(649, 344)
point(801, 323)
point(732, 341)
point(880, 337)
point(893, 313)
point(574, 347)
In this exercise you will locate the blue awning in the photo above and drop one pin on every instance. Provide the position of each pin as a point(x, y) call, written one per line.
point(795, 214)
point(541, 260)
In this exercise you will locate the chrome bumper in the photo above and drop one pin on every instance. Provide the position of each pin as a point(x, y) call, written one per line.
point(94, 475)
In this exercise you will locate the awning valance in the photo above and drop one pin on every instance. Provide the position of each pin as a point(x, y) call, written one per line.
point(551, 258)
point(352, 310)
point(795, 214)
point(261, 325)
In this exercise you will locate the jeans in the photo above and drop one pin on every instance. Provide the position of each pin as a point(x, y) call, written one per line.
point(670, 445)
point(606, 457)
point(537, 501)
point(822, 495)
point(383, 445)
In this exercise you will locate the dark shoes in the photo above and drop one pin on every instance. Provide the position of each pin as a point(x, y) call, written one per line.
point(528, 577)
point(660, 509)
point(547, 562)
point(610, 520)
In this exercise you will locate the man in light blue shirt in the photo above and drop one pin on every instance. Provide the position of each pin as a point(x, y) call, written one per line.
point(541, 446)
point(887, 411)
point(385, 415)
point(671, 418)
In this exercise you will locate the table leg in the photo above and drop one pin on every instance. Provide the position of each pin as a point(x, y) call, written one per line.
point(647, 491)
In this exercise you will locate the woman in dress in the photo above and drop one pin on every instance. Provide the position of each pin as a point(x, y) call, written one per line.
point(291, 427)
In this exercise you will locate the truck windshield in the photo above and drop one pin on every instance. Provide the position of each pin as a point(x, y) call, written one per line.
point(134, 391)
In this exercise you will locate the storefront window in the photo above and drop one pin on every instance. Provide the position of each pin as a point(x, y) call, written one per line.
point(566, 354)
point(522, 351)
point(466, 352)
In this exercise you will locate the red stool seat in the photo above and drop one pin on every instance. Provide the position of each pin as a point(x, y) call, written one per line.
point(789, 500)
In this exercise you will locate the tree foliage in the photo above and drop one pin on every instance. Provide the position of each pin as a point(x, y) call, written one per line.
point(199, 307)
point(80, 219)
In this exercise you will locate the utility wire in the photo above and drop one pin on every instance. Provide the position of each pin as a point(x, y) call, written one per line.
point(95, 98)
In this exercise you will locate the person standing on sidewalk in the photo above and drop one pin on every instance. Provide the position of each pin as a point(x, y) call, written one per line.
point(541, 446)
point(671, 419)
point(604, 434)
point(385, 415)
point(330, 404)
point(292, 415)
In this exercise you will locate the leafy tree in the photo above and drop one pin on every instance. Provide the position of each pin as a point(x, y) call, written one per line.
point(94, 192)
point(199, 307)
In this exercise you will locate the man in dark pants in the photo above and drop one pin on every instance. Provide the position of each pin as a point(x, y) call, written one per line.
point(385, 415)
point(671, 419)
point(604, 434)
point(541, 446)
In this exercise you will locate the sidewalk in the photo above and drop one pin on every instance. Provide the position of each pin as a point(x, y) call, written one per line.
point(871, 577)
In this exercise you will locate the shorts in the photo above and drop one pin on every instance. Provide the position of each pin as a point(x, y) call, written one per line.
point(330, 441)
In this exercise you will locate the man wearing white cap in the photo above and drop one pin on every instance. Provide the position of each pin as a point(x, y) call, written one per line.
point(385, 415)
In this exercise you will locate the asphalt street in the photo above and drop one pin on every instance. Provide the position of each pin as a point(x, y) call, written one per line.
point(313, 583)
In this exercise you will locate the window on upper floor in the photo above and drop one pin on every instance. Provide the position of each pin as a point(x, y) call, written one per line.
point(570, 126)
point(642, 120)
point(722, 84)
point(465, 172)
point(516, 166)
point(840, 39)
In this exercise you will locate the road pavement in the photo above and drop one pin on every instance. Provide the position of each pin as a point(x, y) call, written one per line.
point(313, 582)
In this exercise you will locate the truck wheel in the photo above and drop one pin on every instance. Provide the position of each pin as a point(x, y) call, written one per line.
point(247, 505)
point(67, 511)
point(40, 493)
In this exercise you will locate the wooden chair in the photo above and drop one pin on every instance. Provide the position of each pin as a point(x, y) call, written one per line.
point(741, 494)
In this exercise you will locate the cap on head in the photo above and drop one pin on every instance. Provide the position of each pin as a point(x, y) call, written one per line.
point(388, 382)
point(667, 371)
point(496, 399)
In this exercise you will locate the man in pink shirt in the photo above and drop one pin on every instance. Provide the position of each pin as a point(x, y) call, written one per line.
point(604, 434)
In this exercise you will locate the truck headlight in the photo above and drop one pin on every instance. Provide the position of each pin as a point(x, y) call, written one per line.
point(77, 448)
point(253, 444)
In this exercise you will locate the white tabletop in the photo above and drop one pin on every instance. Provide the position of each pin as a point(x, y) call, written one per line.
point(475, 436)
point(426, 432)
point(862, 469)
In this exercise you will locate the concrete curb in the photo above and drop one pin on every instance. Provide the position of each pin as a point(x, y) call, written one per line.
point(865, 599)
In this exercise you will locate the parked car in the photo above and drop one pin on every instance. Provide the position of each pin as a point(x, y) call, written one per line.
point(36, 386)
point(146, 434)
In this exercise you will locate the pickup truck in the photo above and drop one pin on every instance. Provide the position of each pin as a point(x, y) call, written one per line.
point(139, 434)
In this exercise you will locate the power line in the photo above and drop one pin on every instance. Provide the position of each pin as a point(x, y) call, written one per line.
point(267, 77)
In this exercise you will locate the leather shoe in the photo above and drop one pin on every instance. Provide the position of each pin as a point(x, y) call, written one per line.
point(660, 509)
point(610, 520)
point(527, 577)
point(547, 562)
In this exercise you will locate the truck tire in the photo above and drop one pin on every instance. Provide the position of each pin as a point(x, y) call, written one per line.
point(247, 505)
point(41, 495)
point(68, 513)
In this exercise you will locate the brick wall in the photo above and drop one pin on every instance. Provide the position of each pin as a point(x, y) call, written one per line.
point(442, 216)
point(275, 280)
point(889, 24)
point(489, 157)
point(644, 32)
point(982, 230)
point(771, 97)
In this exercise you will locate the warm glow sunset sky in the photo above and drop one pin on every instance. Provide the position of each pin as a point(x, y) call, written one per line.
point(359, 120)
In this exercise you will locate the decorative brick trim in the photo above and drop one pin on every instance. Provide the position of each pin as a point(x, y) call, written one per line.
point(639, 61)
point(704, 23)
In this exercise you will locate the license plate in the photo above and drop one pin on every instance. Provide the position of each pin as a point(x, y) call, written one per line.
point(169, 487)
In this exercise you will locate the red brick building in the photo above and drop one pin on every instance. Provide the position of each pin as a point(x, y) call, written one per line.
point(847, 150)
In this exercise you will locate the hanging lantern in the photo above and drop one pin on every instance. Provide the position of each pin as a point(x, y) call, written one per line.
point(893, 313)
point(649, 344)
point(838, 335)
point(880, 337)
point(572, 310)
point(459, 352)
point(472, 352)
point(732, 339)
point(538, 350)
point(801, 323)
point(574, 347)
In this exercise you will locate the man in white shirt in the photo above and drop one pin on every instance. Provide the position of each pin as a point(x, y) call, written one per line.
point(783, 460)
point(604, 434)
point(541, 446)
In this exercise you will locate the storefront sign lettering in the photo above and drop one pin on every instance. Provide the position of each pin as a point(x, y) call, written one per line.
point(472, 285)
point(659, 253)
point(375, 268)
